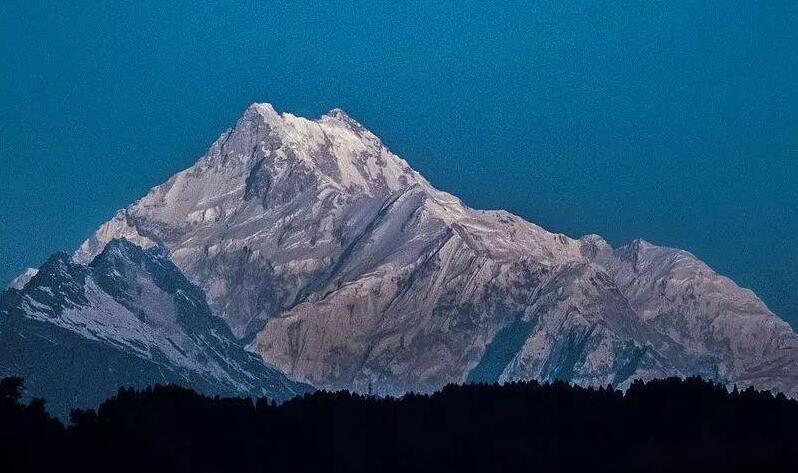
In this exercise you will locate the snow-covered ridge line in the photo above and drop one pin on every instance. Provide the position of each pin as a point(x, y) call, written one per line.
point(127, 318)
point(344, 267)
point(20, 281)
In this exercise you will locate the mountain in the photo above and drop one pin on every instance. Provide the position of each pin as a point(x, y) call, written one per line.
point(20, 281)
point(344, 268)
point(76, 333)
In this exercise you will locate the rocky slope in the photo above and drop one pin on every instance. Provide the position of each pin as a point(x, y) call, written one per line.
point(345, 268)
point(76, 333)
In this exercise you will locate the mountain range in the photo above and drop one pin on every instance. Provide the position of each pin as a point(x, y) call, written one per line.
point(301, 253)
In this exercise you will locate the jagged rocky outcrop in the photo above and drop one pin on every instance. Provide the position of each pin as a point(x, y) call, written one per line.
point(76, 333)
point(343, 267)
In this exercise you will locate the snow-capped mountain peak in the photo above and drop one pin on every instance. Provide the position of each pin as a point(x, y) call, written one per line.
point(342, 266)
point(132, 316)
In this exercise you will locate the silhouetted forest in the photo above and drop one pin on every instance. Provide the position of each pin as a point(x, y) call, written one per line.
point(668, 425)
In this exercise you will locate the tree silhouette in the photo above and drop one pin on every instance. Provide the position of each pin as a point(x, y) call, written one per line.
point(665, 425)
point(11, 389)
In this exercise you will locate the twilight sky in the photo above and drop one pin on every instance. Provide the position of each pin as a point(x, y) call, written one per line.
point(672, 121)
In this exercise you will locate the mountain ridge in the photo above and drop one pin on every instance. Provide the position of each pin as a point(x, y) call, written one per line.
point(343, 267)
point(77, 333)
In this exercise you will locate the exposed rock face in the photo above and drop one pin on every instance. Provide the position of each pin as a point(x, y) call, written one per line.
point(343, 267)
point(76, 333)
point(724, 331)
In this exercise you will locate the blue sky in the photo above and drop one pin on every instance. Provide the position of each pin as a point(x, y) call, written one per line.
point(673, 121)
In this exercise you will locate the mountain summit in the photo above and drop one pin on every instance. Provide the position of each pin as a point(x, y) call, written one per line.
point(343, 267)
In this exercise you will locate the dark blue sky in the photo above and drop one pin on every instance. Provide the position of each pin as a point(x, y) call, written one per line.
point(676, 121)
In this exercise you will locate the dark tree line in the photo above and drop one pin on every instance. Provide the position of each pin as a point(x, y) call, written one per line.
point(661, 426)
